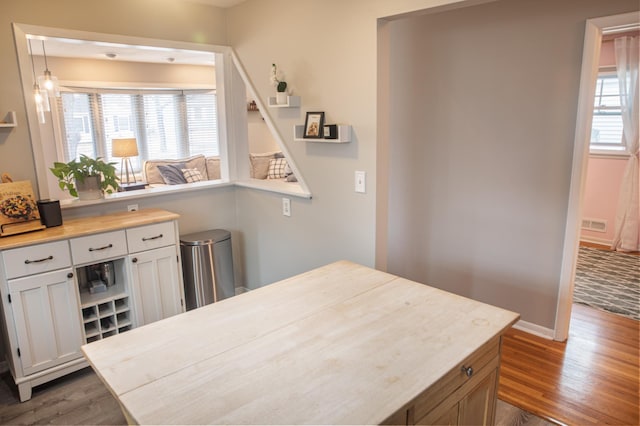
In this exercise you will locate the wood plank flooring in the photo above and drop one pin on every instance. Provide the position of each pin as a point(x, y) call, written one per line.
point(590, 379)
point(593, 378)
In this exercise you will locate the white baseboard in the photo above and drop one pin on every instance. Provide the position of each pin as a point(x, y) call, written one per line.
point(545, 333)
point(240, 290)
point(600, 241)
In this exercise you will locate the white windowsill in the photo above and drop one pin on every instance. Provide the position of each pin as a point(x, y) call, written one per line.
point(145, 193)
point(271, 185)
point(615, 155)
point(284, 188)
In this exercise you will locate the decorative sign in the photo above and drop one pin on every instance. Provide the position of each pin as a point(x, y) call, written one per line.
point(18, 209)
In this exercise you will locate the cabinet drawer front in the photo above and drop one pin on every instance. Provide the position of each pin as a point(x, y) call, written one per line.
point(36, 259)
point(455, 378)
point(95, 248)
point(151, 236)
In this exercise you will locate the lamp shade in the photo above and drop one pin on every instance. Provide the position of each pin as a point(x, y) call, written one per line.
point(126, 147)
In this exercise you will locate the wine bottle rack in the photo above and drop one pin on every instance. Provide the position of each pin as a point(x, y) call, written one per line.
point(106, 317)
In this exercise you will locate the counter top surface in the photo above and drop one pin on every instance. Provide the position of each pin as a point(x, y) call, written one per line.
point(88, 225)
point(341, 344)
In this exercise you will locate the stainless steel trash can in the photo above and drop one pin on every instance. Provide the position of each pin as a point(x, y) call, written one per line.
point(207, 267)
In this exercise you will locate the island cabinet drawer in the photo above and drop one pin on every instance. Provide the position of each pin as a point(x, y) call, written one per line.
point(36, 259)
point(151, 236)
point(427, 401)
point(96, 248)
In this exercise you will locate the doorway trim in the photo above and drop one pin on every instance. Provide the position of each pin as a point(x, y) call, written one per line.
point(594, 29)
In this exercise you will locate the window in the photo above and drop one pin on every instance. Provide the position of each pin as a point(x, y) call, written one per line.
point(167, 124)
point(606, 128)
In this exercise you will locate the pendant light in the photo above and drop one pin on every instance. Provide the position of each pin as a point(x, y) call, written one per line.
point(40, 96)
point(48, 81)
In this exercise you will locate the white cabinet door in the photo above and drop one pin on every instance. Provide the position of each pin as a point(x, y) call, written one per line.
point(47, 321)
point(156, 284)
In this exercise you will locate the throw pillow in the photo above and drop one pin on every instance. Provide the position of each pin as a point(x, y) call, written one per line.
point(277, 168)
point(192, 175)
point(172, 174)
point(288, 174)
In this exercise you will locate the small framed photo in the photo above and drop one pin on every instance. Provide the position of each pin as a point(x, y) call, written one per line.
point(313, 125)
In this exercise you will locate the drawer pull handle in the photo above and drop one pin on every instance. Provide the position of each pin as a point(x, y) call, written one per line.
point(467, 370)
point(101, 248)
point(152, 238)
point(38, 260)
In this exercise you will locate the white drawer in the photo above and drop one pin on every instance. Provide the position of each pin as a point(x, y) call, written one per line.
point(36, 259)
point(151, 236)
point(96, 248)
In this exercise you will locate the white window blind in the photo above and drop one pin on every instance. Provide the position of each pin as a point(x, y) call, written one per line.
point(77, 125)
point(162, 126)
point(200, 111)
point(606, 128)
point(167, 125)
point(117, 118)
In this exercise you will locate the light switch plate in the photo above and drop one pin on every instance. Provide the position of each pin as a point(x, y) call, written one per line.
point(361, 178)
point(286, 207)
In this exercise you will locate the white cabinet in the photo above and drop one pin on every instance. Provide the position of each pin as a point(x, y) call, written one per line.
point(45, 312)
point(53, 301)
point(41, 316)
point(155, 293)
point(153, 270)
point(96, 248)
point(36, 259)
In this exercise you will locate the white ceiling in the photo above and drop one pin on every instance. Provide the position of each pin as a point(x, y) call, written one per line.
point(73, 48)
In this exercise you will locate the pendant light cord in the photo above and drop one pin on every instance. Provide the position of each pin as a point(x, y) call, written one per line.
point(33, 67)
point(44, 51)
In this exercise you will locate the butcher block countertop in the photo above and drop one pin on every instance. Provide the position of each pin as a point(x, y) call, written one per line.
point(72, 228)
point(341, 344)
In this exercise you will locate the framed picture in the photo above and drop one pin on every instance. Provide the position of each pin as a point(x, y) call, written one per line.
point(313, 125)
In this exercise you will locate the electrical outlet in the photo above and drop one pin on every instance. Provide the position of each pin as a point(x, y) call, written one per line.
point(132, 207)
point(286, 207)
point(361, 179)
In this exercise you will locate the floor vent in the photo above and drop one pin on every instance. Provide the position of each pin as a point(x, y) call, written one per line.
point(597, 225)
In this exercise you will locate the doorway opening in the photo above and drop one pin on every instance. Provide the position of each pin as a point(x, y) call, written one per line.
point(594, 31)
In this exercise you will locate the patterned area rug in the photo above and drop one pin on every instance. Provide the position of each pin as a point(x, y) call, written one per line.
point(510, 415)
point(609, 281)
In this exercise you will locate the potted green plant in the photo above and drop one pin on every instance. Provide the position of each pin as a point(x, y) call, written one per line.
point(277, 79)
point(87, 178)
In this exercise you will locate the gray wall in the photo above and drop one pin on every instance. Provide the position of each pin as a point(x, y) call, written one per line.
point(328, 50)
point(480, 147)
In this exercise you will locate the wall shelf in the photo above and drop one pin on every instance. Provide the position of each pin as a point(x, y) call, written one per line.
point(9, 120)
point(344, 135)
point(292, 102)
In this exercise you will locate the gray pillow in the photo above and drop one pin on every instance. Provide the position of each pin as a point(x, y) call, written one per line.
point(172, 173)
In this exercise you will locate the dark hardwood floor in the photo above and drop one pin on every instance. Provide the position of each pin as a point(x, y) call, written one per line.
point(593, 378)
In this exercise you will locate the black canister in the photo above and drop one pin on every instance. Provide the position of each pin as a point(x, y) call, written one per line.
point(50, 214)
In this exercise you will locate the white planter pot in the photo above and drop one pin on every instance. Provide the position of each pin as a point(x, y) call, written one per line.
point(89, 189)
point(282, 98)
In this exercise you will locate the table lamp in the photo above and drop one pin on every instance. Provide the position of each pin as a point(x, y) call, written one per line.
point(125, 148)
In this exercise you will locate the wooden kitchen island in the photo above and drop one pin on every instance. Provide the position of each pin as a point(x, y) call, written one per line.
point(341, 344)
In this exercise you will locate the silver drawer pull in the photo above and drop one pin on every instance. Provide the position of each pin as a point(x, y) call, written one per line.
point(151, 238)
point(101, 248)
point(467, 370)
point(38, 260)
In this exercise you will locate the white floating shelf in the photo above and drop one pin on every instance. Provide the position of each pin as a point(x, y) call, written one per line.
point(292, 102)
point(9, 120)
point(344, 135)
